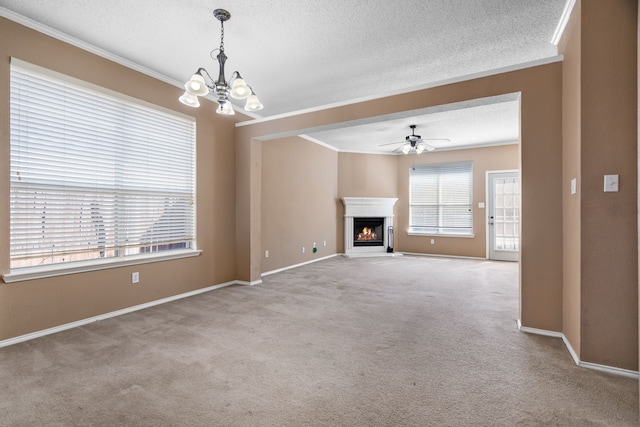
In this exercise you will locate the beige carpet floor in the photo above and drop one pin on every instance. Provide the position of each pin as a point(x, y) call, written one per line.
point(406, 341)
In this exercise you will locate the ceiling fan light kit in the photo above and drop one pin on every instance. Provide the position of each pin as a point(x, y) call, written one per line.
point(415, 142)
point(201, 83)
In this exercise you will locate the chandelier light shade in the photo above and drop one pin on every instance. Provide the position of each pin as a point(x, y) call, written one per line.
point(225, 108)
point(189, 99)
point(197, 86)
point(201, 83)
point(253, 103)
point(239, 88)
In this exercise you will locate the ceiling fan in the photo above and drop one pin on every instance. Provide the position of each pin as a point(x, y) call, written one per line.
point(415, 142)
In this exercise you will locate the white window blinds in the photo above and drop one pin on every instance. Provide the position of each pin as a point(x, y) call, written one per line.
point(441, 198)
point(94, 175)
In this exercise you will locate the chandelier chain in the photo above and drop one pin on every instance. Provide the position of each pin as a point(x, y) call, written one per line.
point(222, 35)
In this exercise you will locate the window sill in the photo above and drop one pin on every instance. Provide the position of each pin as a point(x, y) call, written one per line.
point(31, 273)
point(463, 236)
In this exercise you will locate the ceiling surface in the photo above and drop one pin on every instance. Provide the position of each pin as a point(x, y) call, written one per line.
point(300, 55)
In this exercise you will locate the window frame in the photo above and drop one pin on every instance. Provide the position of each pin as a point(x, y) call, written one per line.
point(441, 230)
point(121, 257)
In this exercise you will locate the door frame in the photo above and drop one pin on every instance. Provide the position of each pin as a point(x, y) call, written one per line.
point(488, 204)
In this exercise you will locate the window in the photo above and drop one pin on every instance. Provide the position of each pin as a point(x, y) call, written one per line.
point(95, 176)
point(441, 199)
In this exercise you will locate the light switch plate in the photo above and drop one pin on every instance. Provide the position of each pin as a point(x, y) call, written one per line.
point(611, 183)
point(574, 186)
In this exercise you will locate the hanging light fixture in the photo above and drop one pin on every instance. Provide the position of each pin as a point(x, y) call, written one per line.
point(416, 142)
point(236, 87)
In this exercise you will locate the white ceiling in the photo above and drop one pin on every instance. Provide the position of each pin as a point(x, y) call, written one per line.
point(480, 122)
point(301, 55)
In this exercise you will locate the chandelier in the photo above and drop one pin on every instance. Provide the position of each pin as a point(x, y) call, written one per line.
point(202, 82)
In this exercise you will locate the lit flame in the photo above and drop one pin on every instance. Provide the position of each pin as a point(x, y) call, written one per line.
point(367, 234)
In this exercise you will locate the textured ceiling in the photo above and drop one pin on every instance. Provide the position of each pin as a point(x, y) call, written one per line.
point(483, 122)
point(305, 54)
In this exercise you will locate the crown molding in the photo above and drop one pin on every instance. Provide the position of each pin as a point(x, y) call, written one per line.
point(59, 35)
point(317, 141)
point(564, 20)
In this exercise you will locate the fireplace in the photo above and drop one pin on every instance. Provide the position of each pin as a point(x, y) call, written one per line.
point(367, 221)
point(368, 231)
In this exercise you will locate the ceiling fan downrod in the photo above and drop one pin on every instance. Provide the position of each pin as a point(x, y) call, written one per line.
point(413, 138)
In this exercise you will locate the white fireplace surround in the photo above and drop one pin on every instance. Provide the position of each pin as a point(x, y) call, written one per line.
point(366, 207)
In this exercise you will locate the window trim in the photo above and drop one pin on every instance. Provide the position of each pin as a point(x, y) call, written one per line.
point(62, 269)
point(430, 233)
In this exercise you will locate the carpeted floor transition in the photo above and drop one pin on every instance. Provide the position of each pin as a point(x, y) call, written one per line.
point(405, 341)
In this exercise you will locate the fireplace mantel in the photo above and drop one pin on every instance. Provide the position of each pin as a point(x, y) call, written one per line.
point(366, 207)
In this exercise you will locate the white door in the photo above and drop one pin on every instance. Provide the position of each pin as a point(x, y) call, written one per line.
point(503, 215)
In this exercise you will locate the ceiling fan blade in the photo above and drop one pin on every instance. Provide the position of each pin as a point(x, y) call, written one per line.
point(436, 139)
point(391, 143)
point(428, 147)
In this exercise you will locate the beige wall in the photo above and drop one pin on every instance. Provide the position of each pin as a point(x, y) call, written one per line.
point(608, 146)
point(299, 199)
point(484, 159)
point(248, 220)
point(367, 175)
point(600, 130)
point(298, 193)
point(35, 305)
point(540, 167)
point(571, 219)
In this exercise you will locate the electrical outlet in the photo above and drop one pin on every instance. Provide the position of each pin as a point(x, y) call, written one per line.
point(135, 277)
point(433, 241)
point(325, 243)
point(266, 254)
point(303, 249)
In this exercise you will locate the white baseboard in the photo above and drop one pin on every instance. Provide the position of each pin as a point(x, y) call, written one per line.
point(297, 265)
point(60, 328)
point(573, 353)
point(538, 331)
point(372, 254)
point(442, 256)
point(245, 283)
point(597, 367)
point(611, 370)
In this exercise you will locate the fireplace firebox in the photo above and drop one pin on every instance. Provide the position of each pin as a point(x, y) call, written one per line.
point(368, 231)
